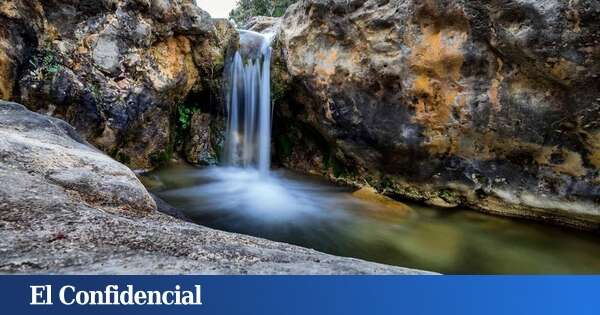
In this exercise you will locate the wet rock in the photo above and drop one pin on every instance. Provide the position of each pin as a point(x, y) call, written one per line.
point(488, 104)
point(67, 208)
point(199, 149)
point(388, 209)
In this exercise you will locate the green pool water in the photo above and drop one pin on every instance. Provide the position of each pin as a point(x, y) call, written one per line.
point(311, 213)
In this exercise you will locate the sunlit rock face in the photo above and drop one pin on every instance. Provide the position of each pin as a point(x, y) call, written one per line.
point(490, 104)
point(116, 70)
point(263, 24)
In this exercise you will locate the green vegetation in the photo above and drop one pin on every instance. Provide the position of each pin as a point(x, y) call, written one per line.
point(449, 195)
point(299, 134)
point(44, 63)
point(185, 112)
point(337, 168)
point(161, 157)
point(123, 158)
point(185, 116)
point(96, 91)
point(283, 146)
point(280, 85)
point(245, 9)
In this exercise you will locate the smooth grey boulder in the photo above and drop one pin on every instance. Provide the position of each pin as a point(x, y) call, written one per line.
point(66, 208)
point(49, 149)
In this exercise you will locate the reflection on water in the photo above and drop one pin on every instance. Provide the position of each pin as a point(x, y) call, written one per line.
point(308, 212)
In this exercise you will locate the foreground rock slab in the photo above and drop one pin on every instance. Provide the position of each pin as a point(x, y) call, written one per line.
point(67, 208)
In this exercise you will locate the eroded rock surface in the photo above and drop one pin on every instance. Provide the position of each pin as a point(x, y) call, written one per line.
point(263, 24)
point(66, 207)
point(204, 139)
point(490, 104)
point(115, 70)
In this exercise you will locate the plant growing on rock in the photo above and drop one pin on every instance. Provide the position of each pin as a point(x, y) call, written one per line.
point(44, 63)
point(185, 112)
point(185, 116)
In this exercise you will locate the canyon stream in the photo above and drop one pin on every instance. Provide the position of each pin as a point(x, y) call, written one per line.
point(246, 196)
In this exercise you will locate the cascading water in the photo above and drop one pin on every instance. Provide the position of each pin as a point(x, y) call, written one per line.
point(249, 108)
point(245, 186)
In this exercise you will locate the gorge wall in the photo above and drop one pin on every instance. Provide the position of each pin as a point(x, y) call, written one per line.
point(491, 104)
point(119, 71)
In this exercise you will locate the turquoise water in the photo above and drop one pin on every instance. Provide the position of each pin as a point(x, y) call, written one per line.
point(311, 213)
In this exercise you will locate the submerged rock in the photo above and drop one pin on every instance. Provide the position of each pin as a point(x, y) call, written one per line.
point(66, 207)
point(115, 70)
point(490, 104)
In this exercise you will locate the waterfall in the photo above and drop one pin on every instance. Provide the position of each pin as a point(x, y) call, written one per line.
point(249, 109)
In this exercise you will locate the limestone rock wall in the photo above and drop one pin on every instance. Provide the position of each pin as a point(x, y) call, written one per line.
point(493, 104)
point(115, 69)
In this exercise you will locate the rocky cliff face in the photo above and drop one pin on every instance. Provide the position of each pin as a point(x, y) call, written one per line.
point(116, 70)
point(491, 104)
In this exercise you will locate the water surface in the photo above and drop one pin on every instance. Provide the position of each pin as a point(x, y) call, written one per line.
point(308, 212)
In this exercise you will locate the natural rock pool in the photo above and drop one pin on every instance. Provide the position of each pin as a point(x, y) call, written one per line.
point(309, 212)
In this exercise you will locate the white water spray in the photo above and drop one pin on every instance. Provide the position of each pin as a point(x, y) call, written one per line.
point(249, 109)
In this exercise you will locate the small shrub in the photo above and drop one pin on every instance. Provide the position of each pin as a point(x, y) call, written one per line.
point(185, 112)
point(185, 117)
